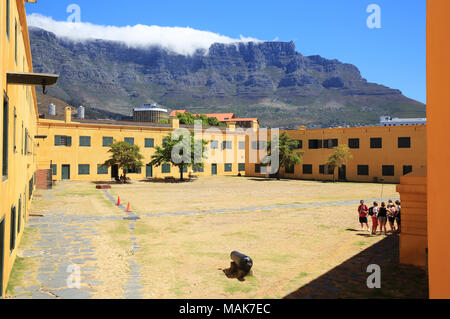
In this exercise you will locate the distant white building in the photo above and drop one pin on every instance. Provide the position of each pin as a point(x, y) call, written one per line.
point(151, 113)
point(389, 121)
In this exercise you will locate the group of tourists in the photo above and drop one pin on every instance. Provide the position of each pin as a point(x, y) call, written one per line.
point(380, 215)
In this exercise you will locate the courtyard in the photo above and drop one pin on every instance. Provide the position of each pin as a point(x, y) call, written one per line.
point(303, 237)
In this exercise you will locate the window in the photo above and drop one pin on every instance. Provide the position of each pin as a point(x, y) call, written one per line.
point(404, 142)
point(85, 141)
point(241, 167)
point(61, 140)
point(353, 143)
point(314, 144)
point(376, 142)
point(228, 167)
point(257, 168)
point(165, 168)
point(298, 145)
point(135, 170)
point(5, 145)
point(30, 188)
point(54, 169)
point(198, 169)
point(102, 170)
point(12, 242)
point(242, 145)
point(107, 141)
point(407, 169)
point(330, 143)
point(165, 141)
point(14, 130)
point(322, 169)
point(7, 17)
point(84, 169)
point(307, 169)
point(19, 216)
point(290, 169)
point(388, 170)
point(15, 42)
point(129, 140)
point(149, 142)
point(363, 170)
point(227, 145)
point(259, 145)
point(214, 145)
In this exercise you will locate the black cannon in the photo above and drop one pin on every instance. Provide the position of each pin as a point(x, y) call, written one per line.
point(241, 265)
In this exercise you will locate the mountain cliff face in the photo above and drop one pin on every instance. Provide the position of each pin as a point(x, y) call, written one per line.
point(269, 80)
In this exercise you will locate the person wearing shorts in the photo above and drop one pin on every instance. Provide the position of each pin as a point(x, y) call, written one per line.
point(363, 210)
point(391, 212)
point(382, 218)
point(374, 218)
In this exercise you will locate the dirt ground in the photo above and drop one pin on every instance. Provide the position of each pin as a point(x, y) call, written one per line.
point(184, 255)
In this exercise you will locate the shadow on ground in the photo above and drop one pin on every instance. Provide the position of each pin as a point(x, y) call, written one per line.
point(349, 279)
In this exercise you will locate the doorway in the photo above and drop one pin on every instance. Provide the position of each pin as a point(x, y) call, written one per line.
point(2, 254)
point(65, 172)
point(149, 171)
point(115, 171)
point(343, 173)
point(213, 169)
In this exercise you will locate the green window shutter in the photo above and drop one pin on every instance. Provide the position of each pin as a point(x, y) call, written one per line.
point(242, 145)
point(57, 140)
point(129, 140)
point(102, 170)
point(107, 141)
point(85, 141)
point(165, 168)
point(214, 145)
point(69, 141)
point(149, 142)
point(241, 167)
point(228, 167)
point(54, 169)
point(83, 169)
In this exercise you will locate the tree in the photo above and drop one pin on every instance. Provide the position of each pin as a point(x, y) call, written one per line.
point(287, 155)
point(340, 156)
point(126, 156)
point(163, 155)
point(189, 119)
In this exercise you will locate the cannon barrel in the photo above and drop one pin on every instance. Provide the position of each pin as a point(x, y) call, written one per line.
point(243, 262)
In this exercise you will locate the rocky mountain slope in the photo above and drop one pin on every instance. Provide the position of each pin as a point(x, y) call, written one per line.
point(270, 80)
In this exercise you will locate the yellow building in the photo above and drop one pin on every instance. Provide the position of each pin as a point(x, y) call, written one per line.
point(380, 154)
point(76, 150)
point(18, 127)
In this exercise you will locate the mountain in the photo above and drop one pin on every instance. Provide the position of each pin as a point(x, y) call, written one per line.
point(269, 80)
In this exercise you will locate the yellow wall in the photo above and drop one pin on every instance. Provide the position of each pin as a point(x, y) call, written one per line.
point(389, 154)
point(21, 98)
point(96, 154)
point(438, 83)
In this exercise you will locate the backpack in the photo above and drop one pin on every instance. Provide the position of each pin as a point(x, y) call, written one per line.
point(371, 211)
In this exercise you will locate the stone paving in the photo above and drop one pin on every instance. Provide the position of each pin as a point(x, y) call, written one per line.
point(64, 245)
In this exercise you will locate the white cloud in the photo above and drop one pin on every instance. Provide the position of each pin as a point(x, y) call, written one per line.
point(182, 40)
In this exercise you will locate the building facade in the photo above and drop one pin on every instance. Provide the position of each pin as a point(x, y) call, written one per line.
point(76, 150)
point(389, 121)
point(18, 127)
point(380, 154)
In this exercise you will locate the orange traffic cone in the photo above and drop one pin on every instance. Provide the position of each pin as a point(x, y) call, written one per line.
point(118, 201)
point(128, 208)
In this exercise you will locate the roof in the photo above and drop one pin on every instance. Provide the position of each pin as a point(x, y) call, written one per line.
point(242, 120)
point(174, 113)
point(221, 116)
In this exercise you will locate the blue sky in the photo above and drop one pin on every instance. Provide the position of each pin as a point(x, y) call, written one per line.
point(393, 55)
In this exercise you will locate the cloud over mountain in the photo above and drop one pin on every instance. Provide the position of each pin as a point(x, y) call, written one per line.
point(181, 40)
